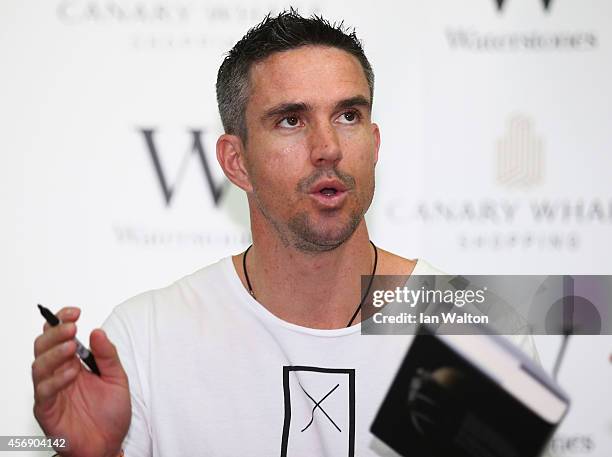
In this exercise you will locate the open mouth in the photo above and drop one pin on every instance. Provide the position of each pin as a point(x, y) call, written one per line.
point(328, 188)
point(328, 191)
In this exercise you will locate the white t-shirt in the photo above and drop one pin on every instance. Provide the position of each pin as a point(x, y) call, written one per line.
point(214, 373)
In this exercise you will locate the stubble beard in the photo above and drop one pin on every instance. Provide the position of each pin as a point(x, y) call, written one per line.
point(308, 239)
point(301, 233)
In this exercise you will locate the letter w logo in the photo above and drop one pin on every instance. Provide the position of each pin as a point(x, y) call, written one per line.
point(500, 4)
point(216, 190)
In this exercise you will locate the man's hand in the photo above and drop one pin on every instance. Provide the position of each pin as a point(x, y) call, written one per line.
point(92, 412)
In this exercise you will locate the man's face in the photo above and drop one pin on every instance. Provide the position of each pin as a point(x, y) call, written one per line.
point(311, 148)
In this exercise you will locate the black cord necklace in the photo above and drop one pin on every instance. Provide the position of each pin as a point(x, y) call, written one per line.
point(248, 281)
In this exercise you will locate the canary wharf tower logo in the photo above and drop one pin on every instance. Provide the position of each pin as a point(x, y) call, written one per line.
point(520, 155)
point(168, 188)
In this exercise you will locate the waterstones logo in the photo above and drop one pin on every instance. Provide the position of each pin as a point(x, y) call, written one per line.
point(500, 4)
point(572, 444)
point(470, 38)
point(168, 188)
point(520, 155)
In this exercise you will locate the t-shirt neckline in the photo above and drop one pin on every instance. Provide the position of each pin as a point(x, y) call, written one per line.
point(261, 311)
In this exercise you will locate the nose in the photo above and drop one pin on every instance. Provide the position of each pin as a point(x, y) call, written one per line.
point(325, 148)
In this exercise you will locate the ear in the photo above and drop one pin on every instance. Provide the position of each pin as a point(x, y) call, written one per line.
point(230, 155)
point(376, 134)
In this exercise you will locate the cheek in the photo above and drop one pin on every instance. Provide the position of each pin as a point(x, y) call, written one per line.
point(359, 141)
point(360, 161)
point(276, 174)
point(359, 154)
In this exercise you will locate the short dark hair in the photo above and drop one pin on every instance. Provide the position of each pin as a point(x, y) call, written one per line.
point(289, 30)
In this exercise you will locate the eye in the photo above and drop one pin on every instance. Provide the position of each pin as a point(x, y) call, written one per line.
point(289, 122)
point(349, 117)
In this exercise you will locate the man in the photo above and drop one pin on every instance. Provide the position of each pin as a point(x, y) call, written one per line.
point(257, 354)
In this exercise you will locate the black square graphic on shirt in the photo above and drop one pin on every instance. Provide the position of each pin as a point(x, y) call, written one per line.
point(320, 401)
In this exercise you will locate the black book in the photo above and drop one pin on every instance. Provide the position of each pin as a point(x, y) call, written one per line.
point(469, 395)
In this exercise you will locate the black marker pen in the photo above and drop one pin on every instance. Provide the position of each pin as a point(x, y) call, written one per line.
point(84, 354)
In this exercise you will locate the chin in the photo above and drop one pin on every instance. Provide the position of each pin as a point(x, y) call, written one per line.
point(322, 236)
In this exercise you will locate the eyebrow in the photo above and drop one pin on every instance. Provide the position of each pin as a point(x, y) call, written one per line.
point(300, 107)
point(286, 108)
point(358, 100)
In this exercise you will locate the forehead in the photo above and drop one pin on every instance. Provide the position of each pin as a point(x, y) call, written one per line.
point(313, 74)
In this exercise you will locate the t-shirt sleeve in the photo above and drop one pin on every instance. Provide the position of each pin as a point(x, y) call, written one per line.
point(130, 343)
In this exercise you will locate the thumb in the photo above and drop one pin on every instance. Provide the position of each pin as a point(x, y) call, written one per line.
point(106, 355)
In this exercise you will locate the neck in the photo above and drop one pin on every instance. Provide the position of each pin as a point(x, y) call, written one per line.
point(311, 289)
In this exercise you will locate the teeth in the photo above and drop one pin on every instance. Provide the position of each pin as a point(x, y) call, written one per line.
point(327, 191)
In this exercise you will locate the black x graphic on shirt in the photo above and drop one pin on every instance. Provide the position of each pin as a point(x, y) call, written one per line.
point(339, 403)
point(317, 404)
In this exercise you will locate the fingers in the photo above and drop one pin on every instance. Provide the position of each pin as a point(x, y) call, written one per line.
point(49, 387)
point(54, 351)
point(54, 336)
point(66, 314)
point(49, 361)
point(69, 363)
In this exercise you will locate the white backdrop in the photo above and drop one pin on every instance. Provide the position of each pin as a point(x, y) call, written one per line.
point(496, 157)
